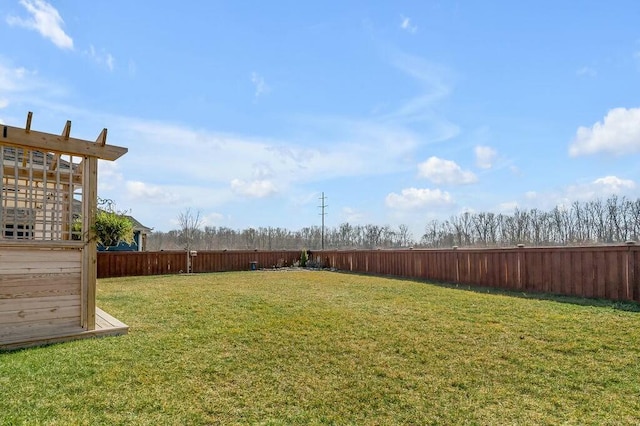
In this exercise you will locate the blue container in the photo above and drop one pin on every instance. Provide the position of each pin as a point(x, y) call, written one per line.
point(253, 266)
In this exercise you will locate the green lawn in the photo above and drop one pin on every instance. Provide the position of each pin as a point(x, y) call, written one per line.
point(328, 348)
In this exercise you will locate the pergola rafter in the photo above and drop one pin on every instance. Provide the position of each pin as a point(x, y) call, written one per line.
point(62, 144)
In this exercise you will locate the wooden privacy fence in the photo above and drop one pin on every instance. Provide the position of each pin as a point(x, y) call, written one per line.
point(122, 264)
point(611, 272)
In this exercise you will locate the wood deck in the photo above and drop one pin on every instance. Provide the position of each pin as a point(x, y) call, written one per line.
point(106, 325)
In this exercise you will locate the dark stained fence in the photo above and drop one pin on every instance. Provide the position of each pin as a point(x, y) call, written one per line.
point(130, 263)
point(122, 264)
point(611, 272)
point(220, 261)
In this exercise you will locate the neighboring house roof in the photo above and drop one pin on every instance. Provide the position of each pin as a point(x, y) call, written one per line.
point(137, 226)
point(9, 155)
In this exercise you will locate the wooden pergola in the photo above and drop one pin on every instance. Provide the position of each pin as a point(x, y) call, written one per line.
point(47, 261)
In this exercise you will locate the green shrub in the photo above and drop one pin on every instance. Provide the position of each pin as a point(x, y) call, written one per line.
point(111, 228)
point(303, 258)
point(76, 229)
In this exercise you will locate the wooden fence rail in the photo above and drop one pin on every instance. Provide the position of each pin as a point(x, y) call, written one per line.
point(611, 272)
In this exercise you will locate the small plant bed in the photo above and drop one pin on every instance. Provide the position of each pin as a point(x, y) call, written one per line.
point(329, 348)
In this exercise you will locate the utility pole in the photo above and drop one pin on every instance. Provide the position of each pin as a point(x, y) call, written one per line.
point(323, 206)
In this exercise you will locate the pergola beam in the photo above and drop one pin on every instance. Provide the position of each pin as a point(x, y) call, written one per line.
point(62, 144)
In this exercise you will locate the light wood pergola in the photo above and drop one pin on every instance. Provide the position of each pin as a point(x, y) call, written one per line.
point(47, 265)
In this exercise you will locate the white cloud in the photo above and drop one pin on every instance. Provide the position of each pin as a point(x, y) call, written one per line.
point(406, 25)
point(485, 156)
point(19, 85)
point(600, 188)
point(613, 184)
point(353, 149)
point(352, 215)
point(508, 207)
point(262, 170)
point(587, 72)
point(14, 79)
point(442, 171)
point(435, 81)
point(109, 175)
point(412, 198)
point(101, 58)
point(132, 68)
point(46, 20)
point(212, 219)
point(150, 193)
point(261, 87)
point(255, 189)
point(603, 187)
point(618, 133)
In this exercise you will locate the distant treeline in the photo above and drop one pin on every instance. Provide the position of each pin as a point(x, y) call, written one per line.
point(614, 220)
point(344, 236)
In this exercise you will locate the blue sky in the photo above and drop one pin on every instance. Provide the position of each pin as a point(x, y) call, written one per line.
point(401, 112)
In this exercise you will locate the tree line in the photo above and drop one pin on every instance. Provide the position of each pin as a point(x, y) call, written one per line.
point(276, 238)
point(614, 220)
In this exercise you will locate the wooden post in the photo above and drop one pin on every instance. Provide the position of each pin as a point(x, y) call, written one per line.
point(455, 250)
point(519, 267)
point(89, 251)
point(629, 271)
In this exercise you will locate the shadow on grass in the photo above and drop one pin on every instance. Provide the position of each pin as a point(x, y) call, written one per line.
point(628, 306)
point(621, 305)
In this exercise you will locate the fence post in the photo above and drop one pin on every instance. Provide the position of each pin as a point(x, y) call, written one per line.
point(520, 254)
point(630, 268)
point(455, 249)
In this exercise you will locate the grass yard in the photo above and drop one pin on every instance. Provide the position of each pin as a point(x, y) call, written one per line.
point(328, 348)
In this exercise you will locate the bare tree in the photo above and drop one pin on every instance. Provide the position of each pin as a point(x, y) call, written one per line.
point(405, 239)
point(189, 231)
point(345, 235)
point(373, 234)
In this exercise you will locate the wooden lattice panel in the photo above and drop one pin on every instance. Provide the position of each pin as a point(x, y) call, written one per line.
point(41, 195)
